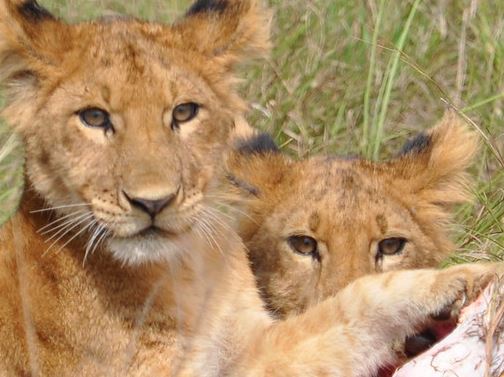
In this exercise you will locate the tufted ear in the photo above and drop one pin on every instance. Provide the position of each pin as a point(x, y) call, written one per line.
point(228, 31)
point(433, 165)
point(254, 181)
point(30, 42)
point(255, 165)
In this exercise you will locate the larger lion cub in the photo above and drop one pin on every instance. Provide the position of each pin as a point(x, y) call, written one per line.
point(115, 264)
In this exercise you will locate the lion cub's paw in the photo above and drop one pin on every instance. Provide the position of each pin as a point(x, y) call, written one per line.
point(457, 286)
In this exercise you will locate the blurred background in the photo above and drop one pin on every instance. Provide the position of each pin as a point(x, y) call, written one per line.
point(359, 77)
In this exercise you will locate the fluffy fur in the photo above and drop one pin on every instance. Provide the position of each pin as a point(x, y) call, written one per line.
point(123, 310)
point(348, 206)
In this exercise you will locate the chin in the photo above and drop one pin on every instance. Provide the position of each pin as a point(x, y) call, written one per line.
point(142, 249)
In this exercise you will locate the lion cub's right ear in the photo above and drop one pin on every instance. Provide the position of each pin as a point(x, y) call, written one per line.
point(226, 31)
point(31, 42)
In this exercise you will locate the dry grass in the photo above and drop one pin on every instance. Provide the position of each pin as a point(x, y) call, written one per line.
point(359, 77)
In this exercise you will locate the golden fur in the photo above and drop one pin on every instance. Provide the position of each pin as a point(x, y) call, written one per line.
point(348, 206)
point(168, 290)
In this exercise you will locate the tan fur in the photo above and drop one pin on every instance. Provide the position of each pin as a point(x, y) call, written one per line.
point(349, 206)
point(180, 301)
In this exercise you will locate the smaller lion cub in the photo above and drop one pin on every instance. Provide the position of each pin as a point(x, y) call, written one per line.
point(313, 226)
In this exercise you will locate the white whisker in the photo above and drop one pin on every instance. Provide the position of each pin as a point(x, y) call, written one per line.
point(64, 225)
point(214, 241)
point(213, 223)
point(59, 219)
point(208, 225)
point(214, 215)
point(59, 207)
point(91, 240)
point(237, 210)
point(228, 197)
point(105, 234)
point(202, 231)
point(75, 236)
point(67, 231)
point(197, 229)
point(218, 211)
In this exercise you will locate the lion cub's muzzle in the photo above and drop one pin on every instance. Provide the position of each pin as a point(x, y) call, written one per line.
point(152, 205)
point(146, 223)
point(136, 211)
point(154, 208)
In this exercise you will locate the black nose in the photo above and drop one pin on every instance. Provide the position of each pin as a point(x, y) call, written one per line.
point(151, 207)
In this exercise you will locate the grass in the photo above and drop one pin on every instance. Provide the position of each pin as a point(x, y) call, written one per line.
point(10, 173)
point(350, 77)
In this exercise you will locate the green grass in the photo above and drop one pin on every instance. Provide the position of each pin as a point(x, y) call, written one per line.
point(352, 77)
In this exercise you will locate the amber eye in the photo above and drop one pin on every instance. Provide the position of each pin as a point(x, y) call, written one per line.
point(391, 246)
point(304, 245)
point(96, 118)
point(184, 113)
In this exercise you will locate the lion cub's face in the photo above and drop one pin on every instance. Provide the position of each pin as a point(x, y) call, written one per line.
point(125, 122)
point(313, 226)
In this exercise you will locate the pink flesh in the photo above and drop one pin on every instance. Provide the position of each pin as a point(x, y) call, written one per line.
point(441, 330)
point(462, 352)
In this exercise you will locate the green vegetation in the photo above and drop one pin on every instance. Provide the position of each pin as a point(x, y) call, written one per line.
point(360, 77)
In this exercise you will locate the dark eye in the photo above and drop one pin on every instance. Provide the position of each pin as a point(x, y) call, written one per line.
point(304, 245)
point(96, 118)
point(391, 246)
point(184, 113)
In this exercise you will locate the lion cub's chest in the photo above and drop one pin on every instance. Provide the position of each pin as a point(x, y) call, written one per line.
point(74, 320)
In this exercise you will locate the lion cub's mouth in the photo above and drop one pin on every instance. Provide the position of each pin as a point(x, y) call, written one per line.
point(417, 344)
point(150, 244)
point(155, 231)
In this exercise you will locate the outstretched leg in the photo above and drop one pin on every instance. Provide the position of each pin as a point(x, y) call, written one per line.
point(352, 333)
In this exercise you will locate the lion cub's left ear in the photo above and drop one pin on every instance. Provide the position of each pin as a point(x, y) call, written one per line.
point(432, 166)
point(32, 43)
point(255, 167)
point(30, 38)
point(227, 31)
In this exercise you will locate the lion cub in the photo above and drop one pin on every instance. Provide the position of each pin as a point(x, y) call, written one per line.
point(313, 226)
point(115, 264)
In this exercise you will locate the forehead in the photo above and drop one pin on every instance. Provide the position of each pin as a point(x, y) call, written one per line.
point(132, 59)
point(340, 180)
point(339, 191)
